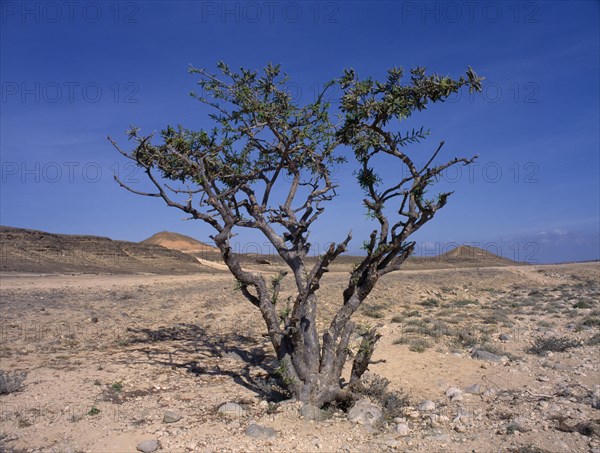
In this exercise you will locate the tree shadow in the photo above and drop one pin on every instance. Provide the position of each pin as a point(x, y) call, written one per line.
point(193, 348)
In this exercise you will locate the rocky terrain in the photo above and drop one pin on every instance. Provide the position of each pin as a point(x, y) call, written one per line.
point(478, 359)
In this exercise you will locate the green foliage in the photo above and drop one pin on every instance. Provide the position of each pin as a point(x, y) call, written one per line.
point(237, 285)
point(282, 373)
point(284, 313)
point(248, 110)
point(582, 303)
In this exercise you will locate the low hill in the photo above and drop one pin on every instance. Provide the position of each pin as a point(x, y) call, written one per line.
point(181, 242)
point(475, 255)
point(461, 256)
point(24, 250)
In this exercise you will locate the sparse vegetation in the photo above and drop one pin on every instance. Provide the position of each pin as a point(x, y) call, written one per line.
point(373, 311)
point(376, 388)
point(430, 303)
point(11, 381)
point(591, 321)
point(594, 341)
point(412, 314)
point(418, 345)
point(583, 303)
point(465, 302)
point(552, 344)
point(401, 340)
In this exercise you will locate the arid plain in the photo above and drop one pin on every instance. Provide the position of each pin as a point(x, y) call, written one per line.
point(123, 344)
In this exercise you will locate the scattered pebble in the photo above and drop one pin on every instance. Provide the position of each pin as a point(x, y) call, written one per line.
point(148, 446)
point(365, 413)
point(474, 389)
point(232, 410)
point(427, 406)
point(260, 432)
point(171, 417)
point(402, 429)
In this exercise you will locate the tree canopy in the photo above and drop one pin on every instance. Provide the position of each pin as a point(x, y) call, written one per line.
point(267, 164)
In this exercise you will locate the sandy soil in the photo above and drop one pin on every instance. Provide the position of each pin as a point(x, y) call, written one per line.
point(107, 355)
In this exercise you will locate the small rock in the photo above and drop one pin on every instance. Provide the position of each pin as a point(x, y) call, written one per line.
point(460, 428)
point(543, 378)
point(474, 389)
point(440, 438)
point(391, 443)
point(427, 406)
point(505, 337)
point(402, 429)
point(233, 356)
point(484, 355)
point(311, 412)
point(364, 413)
point(93, 319)
point(518, 424)
point(260, 432)
point(489, 392)
point(148, 446)
point(454, 394)
point(232, 410)
point(434, 421)
point(171, 417)
point(462, 416)
point(413, 414)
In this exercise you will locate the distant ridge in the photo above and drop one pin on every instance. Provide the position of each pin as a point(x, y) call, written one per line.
point(181, 242)
point(467, 252)
point(24, 250)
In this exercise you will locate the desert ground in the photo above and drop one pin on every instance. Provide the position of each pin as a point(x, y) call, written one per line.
point(496, 358)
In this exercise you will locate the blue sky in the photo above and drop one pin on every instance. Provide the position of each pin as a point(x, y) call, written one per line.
point(73, 73)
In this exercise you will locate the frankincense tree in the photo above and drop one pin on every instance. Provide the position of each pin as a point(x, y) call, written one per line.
point(267, 164)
